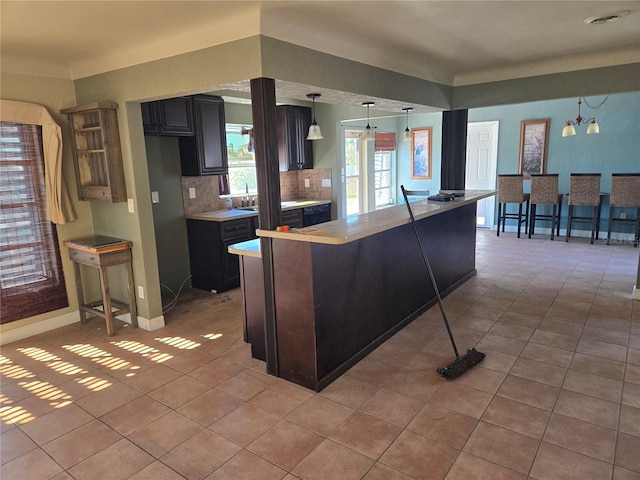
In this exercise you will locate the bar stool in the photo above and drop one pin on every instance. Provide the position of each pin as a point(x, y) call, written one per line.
point(544, 191)
point(511, 190)
point(625, 193)
point(584, 190)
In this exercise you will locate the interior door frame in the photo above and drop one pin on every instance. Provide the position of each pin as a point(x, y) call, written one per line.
point(493, 165)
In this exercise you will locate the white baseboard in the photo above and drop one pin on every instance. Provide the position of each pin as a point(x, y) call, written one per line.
point(15, 334)
point(636, 292)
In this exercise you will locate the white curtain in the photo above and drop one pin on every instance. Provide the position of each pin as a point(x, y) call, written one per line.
point(59, 208)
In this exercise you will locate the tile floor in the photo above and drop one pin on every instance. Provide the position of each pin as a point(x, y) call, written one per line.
point(557, 397)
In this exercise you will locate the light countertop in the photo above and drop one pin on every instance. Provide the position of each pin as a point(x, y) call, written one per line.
point(355, 227)
point(225, 215)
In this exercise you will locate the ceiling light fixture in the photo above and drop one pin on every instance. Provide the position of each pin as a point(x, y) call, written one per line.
point(314, 128)
point(368, 132)
point(406, 136)
point(609, 17)
point(593, 127)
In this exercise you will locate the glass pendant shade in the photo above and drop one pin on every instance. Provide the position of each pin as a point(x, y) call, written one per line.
point(568, 130)
point(314, 128)
point(368, 133)
point(314, 132)
point(593, 127)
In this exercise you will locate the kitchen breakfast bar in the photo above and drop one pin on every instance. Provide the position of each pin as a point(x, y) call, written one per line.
point(343, 287)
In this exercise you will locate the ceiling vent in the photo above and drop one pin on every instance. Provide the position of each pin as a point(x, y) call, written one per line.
point(610, 17)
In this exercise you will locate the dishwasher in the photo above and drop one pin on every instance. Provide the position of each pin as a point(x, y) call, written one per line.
point(316, 214)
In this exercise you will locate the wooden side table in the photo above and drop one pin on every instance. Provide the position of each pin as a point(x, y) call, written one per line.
point(101, 252)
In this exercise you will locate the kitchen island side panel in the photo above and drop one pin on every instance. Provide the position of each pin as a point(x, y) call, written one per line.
point(336, 303)
point(294, 305)
point(363, 290)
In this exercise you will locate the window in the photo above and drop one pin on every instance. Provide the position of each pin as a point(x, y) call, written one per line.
point(353, 178)
point(383, 174)
point(31, 278)
point(242, 162)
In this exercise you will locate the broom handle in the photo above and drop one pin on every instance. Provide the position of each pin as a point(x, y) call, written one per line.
point(433, 279)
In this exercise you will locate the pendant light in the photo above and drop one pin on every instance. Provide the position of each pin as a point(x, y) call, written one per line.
point(592, 126)
point(406, 136)
point(368, 132)
point(314, 128)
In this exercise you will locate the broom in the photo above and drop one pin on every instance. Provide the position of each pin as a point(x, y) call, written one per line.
point(472, 357)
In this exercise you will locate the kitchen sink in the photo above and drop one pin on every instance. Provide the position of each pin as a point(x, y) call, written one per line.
point(250, 209)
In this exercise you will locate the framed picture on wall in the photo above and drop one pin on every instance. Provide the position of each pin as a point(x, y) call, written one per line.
point(533, 146)
point(421, 153)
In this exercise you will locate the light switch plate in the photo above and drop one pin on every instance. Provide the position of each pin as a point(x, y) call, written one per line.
point(306, 183)
point(155, 197)
point(326, 182)
point(192, 192)
point(130, 205)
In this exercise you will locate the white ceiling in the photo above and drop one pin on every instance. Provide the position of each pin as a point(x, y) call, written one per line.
point(451, 42)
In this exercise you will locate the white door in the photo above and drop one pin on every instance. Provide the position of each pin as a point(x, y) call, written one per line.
point(482, 164)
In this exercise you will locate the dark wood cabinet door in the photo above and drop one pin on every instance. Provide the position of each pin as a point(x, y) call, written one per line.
point(175, 116)
point(294, 150)
point(206, 152)
point(150, 121)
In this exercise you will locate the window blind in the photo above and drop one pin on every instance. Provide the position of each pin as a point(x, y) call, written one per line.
point(31, 277)
point(385, 142)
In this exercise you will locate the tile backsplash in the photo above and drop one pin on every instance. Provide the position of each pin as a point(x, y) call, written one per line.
point(292, 187)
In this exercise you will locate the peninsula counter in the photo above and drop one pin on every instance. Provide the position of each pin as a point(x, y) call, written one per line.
point(344, 287)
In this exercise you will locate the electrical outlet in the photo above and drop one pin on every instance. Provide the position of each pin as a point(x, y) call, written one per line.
point(155, 197)
point(306, 183)
point(140, 291)
point(326, 182)
point(623, 215)
point(130, 205)
point(192, 192)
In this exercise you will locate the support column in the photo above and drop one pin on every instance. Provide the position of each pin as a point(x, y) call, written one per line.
point(454, 149)
point(263, 107)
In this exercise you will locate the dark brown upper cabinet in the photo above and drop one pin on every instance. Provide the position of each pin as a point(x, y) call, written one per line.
point(171, 117)
point(294, 150)
point(205, 153)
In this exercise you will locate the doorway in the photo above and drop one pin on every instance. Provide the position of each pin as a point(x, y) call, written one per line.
point(482, 165)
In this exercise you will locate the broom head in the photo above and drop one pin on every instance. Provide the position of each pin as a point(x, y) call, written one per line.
point(461, 364)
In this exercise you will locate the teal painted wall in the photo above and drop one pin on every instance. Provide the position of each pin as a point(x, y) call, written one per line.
point(616, 149)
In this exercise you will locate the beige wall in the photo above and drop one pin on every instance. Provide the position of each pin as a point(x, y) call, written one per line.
point(53, 94)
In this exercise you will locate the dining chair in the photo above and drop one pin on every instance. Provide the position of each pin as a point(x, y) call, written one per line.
point(544, 191)
point(625, 194)
point(511, 190)
point(584, 191)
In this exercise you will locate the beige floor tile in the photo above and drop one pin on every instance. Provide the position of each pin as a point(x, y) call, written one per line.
point(331, 460)
point(14, 443)
point(468, 401)
point(247, 384)
point(631, 395)
point(483, 379)
point(403, 410)
point(555, 340)
point(632, 374)
point(56, 423)
point(602, 349)
point(442, 425)
point(606, 335)
point(414, 384)
point(78, 445)
point(559, 326)
point(597, 366)
point(382, 472)
point(419, 457)
point(587, 408)
point(151, 378)
point(32, 465)
point(108, 399)
point(286, 444)
point(179, 391)
point(349, 391)
point(516, 416)
point(135, 414)
point(320, 415)
point(593, 385)
point(156, 471)
point(201, 455)
point(499, 361)
point(553, 463)
point(511, 346)
point(467, 466)
point(529, 392)
point(210, 407)
point(511, 330)
point(247, 466)
point(217, 371)
point(630, 420)
point(366, 434)
point(373, 371)
point(620, 473)
point(503, 447)
point(546, 354)
point(582, 437)
point(154, 439)
point(118, 461)
point(245, 424)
